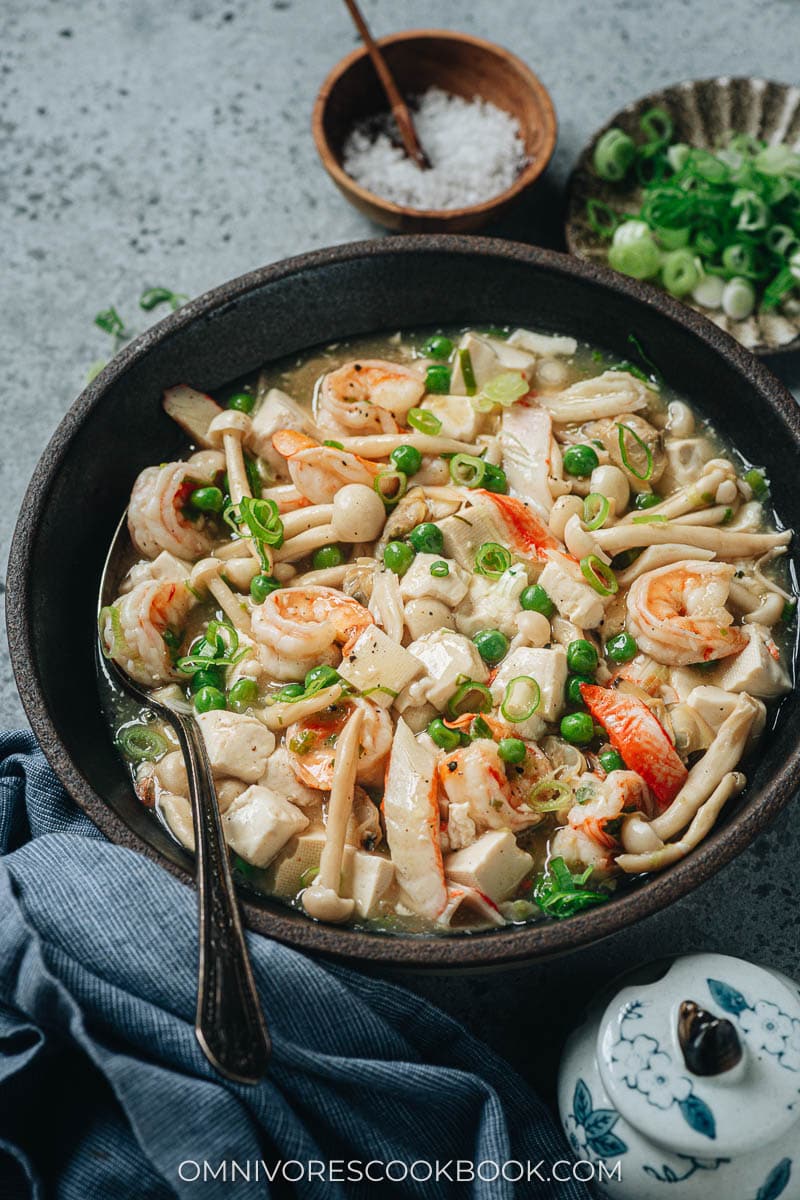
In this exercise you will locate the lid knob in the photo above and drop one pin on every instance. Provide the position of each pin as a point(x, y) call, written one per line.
point(710, 1045)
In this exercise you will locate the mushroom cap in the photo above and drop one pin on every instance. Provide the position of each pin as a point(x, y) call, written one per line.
point(229, 421)
point(359, 513)
point(327, 905)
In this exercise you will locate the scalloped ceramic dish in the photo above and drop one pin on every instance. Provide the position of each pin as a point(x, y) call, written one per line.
point(117, 426)
point(703, 111)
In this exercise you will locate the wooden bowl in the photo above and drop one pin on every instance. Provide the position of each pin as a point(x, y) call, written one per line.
point(462, 65)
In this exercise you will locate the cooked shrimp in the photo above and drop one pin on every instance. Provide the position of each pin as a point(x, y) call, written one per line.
point(132, 629)
point(475, 775)
point(678, 616)
point(318, 472)
point(156, 518)
point(619, 792)
point(312, 744)
point(301, 628)
point(368, 396)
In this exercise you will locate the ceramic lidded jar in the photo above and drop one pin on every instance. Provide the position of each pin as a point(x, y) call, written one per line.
point(686, 1085)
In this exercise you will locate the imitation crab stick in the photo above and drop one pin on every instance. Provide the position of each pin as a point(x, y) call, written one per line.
point(640, 738)
point(527, 534)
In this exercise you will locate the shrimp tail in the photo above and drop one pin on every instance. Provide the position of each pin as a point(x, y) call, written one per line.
point(640, 738)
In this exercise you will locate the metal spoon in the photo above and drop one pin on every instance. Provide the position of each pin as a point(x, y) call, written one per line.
point(228, 1023)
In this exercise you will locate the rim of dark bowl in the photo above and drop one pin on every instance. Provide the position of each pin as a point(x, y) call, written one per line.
point(485, 949)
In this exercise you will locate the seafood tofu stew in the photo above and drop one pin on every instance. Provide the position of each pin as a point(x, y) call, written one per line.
point(476, 626)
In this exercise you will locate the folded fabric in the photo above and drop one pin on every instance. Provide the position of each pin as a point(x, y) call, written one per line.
point(104, 1090)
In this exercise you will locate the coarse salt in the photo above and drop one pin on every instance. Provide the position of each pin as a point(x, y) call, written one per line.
point(475, 149)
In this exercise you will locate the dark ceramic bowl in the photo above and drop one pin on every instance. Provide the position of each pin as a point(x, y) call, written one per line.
point(116, 427)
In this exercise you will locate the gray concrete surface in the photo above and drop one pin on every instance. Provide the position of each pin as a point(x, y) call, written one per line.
point(149, 143)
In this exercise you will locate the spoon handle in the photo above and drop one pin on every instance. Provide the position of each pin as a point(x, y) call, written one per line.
point(229, 1023)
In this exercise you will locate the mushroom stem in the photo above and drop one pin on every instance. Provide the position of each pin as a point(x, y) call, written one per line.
point(665, 854)
point(231, 428)
point(725, 544)
point(306, 543)
point(381, 445)
point(303, 519)
point(687, 499)
point(206, 576)
point(322, 899)
point(284, 713)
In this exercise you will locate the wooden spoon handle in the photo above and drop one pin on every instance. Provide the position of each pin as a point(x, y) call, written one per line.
point(402, 116)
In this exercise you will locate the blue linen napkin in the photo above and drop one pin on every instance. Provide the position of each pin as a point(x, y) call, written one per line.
point(105, 1092)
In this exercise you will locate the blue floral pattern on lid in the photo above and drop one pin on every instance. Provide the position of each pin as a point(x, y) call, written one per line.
point(766, 1027)
point(589, 1129)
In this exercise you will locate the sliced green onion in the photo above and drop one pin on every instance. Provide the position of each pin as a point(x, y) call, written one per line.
point(601, 218)
point(440, 569)
point(152, 297)
point(465, 359)
point(550, 795)
point(738, 298)
point(424, 421)
point(139, 743)
point(614, 155)
point(640, 259)
point(649, 519)
point(379, 687)
point(504, 390)
point(595, 510)
point(758, 483)
point(599, 576)
point(262, 518)
point(466, 470)
point(333, 445)
point(492, 560)
point(656, 125)
point(521, 699)
point(680, 272)
point(469, 697)
point(622, 430)
point(390, 486)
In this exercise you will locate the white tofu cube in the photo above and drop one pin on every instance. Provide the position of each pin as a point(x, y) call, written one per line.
point(461, 829)
point(177, 812)
point(296, 865)
point(276, 411)
point(237, 745)
point(484, 359)
point(457, 414)
point(377, 661)
point(494, 865)
point(465, 533)
point(574, 598)
point(754, 670)
point(366, 878)
point(279, 777)
point(542, 343)
point(493, 604)
point(259, 823)
point(549, 668)
point(418, 581)
point(446, 657)
point(715, 705)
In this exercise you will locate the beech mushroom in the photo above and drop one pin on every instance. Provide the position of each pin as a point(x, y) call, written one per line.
point(322, 899)
point(206, 576)
point(229, 429)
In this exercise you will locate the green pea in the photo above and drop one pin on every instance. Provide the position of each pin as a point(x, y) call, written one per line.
point(320, 677)
point(611, 760)
point(242, 402)
point(290, 691)
point(536, 599)
point(437, 380)
point(243, 694)
point(213, 677)
point(262, 586)
point(427, 538)
point(494, 479)
point(580, 460)
point(582, 657)
point(406, 459)
point(511, 750)
point(622, 648)
point(646, 500)
point(327, 556)
point(492, 645)
point(209, 698)
point(577, 728)
point(573, 688)
point(441, 736)
point(437, 346)
point(398, 557)
point(207, 499)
